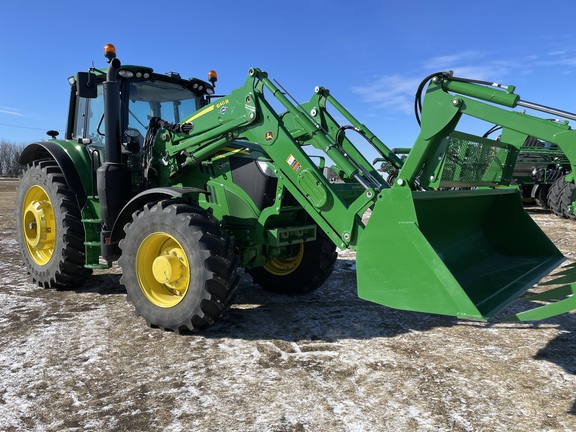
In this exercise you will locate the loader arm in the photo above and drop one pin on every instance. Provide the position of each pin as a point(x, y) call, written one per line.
point(448, 99)
point(245, 114)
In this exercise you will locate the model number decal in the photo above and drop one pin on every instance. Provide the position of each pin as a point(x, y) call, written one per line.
point(224, 102)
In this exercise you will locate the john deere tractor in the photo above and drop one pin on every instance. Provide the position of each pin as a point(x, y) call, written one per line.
point(181, 187)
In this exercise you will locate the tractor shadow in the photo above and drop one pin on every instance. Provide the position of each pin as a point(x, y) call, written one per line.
point(103, 284)
point(561, 349)
point(330, 313)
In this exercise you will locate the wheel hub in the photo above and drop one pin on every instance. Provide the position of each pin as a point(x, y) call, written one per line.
point(167, 268)
point(36, 229)
point(163, 269)
point(38, 225)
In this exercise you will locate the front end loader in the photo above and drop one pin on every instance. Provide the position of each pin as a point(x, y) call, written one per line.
point(182, 187)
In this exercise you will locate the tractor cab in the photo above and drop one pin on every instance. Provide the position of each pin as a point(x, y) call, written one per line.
point(144, 94)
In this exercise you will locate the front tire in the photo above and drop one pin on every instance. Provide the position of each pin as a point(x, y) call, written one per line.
point(178, 266)
point(304, 270)
point(49, 229)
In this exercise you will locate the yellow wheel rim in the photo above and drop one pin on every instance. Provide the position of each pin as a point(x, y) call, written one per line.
point(163, 270)
point(285, 265)
point(38, 225)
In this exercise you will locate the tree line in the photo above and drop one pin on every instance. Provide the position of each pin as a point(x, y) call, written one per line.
point(9, 155)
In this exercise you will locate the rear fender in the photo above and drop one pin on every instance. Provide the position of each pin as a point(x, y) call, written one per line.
point(72, 159)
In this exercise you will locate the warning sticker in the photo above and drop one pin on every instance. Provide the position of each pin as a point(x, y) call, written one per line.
point(294, 164)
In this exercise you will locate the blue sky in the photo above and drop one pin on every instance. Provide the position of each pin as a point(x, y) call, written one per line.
point(371, 54)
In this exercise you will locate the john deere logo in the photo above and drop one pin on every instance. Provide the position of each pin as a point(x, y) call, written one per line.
point(269, 136)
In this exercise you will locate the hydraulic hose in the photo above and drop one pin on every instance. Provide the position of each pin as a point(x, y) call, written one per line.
point(508, 99)
point(418, 95)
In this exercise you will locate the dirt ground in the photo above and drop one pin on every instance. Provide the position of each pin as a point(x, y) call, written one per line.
point(79, 359)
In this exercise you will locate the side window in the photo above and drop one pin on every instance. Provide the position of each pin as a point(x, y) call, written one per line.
point(139, 114)
point(89, 120)
point(186, 107)
point(80, 123)
point(90, 123)
point(95, 120)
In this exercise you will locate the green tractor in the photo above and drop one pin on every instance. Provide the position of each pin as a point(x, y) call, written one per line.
point(181, 187)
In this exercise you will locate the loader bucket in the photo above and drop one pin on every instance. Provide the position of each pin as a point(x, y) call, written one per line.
point(466, 253)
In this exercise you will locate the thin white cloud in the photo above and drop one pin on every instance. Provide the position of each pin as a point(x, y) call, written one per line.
point(471, 64)
point(396, 92)
point(484, 73)
point(11, 111)
point(442, 62)
point(566, 60)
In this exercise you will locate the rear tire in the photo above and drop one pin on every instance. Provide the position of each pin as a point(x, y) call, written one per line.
point(561, 195)
point(567, 197)
point(304, 271)
point(178, 266)
point(49, 229)
point(554, 197)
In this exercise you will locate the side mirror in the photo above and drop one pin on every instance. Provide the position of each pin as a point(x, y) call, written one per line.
point(86, 85)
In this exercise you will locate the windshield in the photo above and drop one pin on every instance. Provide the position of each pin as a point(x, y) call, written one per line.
point(166, 100)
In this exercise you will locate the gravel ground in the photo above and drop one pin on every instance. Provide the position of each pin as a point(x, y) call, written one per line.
point(79, 359)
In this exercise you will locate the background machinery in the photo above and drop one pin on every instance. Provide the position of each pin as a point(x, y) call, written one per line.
point(182, 187)
point(543, 175)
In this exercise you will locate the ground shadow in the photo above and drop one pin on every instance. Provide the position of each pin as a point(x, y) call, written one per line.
point(561, 349)
point(534, 209)
point(330, 313)
point(103, 284)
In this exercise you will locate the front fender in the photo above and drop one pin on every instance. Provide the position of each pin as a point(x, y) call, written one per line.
point(143, 198)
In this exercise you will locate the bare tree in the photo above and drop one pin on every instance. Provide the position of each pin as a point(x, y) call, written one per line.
point(9, 154)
